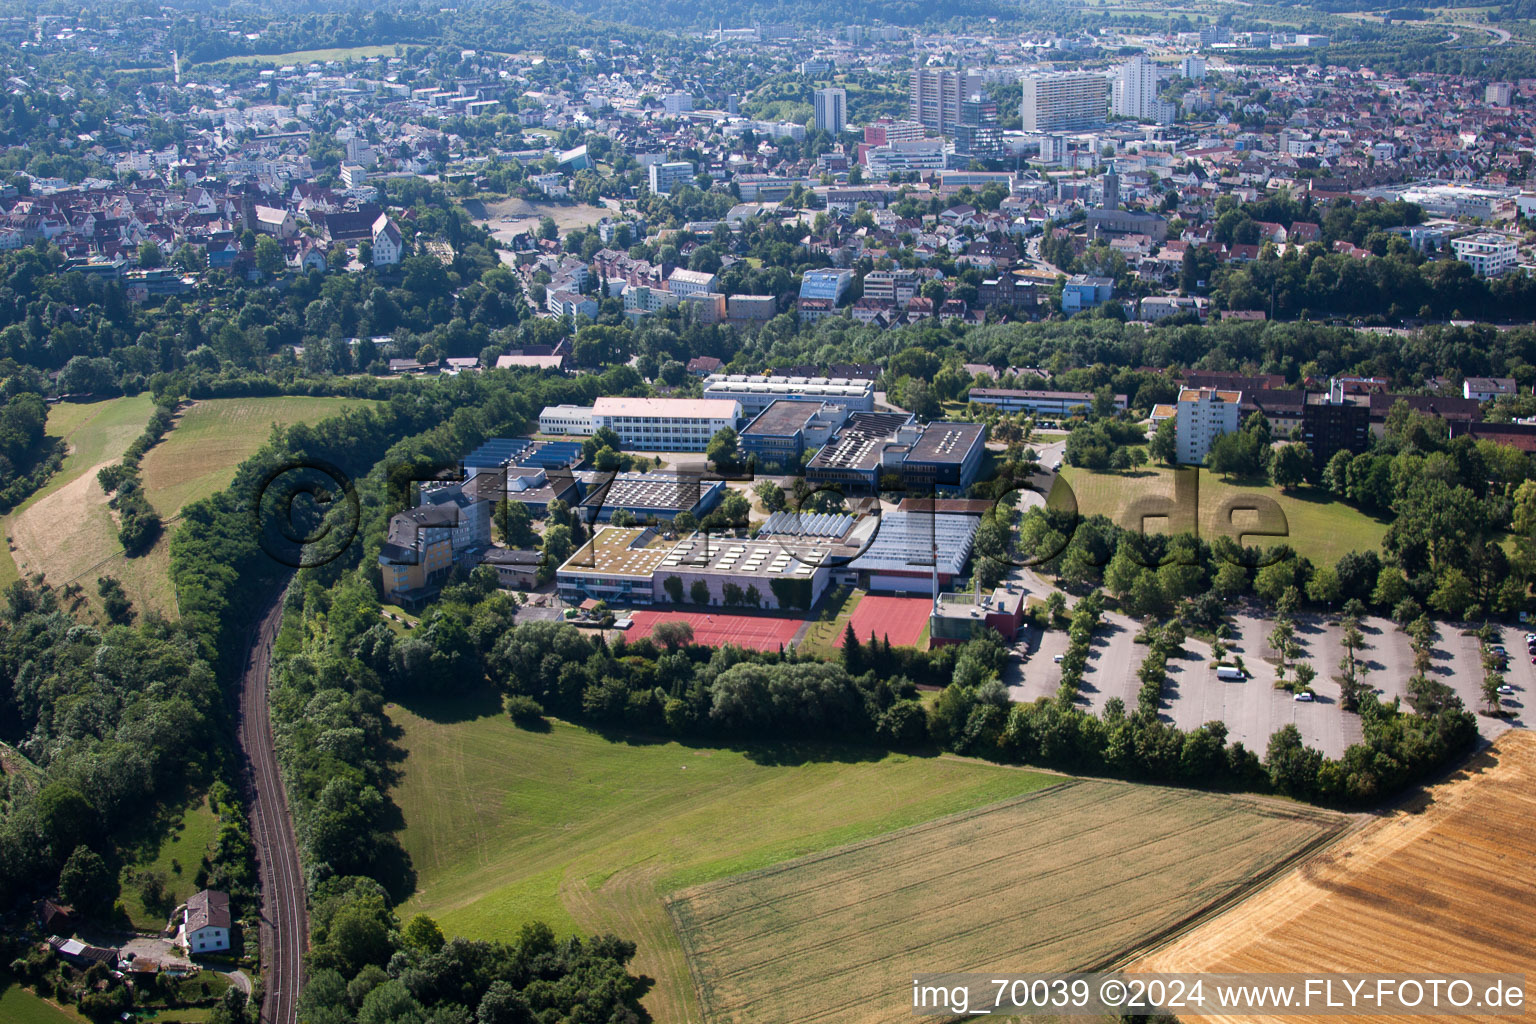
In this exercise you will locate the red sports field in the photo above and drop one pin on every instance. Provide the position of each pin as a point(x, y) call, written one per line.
point(759, 632)
point(900, 618)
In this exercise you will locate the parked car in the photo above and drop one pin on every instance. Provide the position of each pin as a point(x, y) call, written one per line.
point(1304, 697)
point(1506, 688)
point(1058, 658)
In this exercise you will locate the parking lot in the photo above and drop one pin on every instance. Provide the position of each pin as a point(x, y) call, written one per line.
point(1253, 709)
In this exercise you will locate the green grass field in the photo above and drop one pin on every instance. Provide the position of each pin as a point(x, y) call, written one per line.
point(67, 530)
point(1319, 527)
point(97, 433)
point(20, 1006)
point(212, 437)
point(505, 826)
point(189, 836)
point(312, 56)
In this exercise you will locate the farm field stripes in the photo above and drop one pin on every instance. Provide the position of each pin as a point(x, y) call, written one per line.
point(1441, 884)
point(759, 632)
point(899, 619)
point(505, 826)
point(1072, 876)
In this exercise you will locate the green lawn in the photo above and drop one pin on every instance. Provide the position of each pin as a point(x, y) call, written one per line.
point(1318, 527)
point(506, 826)
point(183, 844)
point(212, 437)
point(20, 1006)
point(312, 56)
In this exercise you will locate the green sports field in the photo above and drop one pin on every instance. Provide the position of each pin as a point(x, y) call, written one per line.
point(505, 826)
point(1318, 527)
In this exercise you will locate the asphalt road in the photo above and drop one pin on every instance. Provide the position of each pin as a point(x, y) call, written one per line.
point(284, 917)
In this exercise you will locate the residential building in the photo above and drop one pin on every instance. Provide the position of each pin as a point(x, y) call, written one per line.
point(886, 131)
point(1486, 389)
point(757, 393)
point(665, 424)
point(1488, 253)
point(676, 103)
point(665, 177)
point(1135, 93)
point(643, 300)
point(1064, 100)
point(685, 283)
point(1201, 416)
point(933, 97)
point(894, 286)
point(1192, 68)
point(831, 107)
point(1335, 421)
point(206, 922)
point(387, 243)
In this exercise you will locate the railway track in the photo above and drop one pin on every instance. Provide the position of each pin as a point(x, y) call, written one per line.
point(284, 916)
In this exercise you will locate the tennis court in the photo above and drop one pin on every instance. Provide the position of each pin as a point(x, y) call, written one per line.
point(759, 632)
point(899, 618)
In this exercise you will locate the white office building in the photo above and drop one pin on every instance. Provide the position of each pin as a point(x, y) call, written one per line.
point(1203, 415)
point(831, 110)
point(757, 393)
point(1064, 100)
point(566, 419)
point(665, 424)
point(665, 177)
point(1488, 253)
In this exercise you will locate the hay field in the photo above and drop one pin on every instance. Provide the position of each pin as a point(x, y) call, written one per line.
point(66, 527)
point(213, 436)
point(1442, 884)
point(506, 826)
point(68, 532)
point(1072, 877)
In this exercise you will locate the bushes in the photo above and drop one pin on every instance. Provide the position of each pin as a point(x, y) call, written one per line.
point(138, 525)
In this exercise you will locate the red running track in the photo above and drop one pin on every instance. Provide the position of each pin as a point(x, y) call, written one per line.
point(900, 618)
point(758, 632)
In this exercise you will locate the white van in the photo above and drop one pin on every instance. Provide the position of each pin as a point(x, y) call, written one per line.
point(1229, 674)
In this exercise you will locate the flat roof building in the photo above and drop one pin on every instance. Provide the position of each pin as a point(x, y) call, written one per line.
point(757, 393)
point(1064, 100)
point(1038, 403)
point(646, 496)
point(649, 424)
point(777, 437)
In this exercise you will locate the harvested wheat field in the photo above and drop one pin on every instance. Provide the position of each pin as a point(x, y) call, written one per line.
point(1075, 876)
point(1443, 884)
